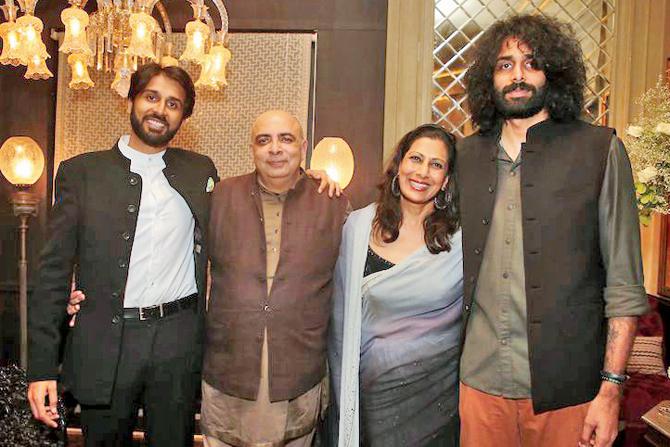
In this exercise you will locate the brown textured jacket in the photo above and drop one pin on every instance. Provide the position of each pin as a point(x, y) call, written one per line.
point(296, 311)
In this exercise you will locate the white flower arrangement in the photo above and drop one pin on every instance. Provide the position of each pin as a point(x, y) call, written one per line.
point(648, 144)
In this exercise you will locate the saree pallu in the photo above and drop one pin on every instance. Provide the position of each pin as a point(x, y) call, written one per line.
point(394, 344)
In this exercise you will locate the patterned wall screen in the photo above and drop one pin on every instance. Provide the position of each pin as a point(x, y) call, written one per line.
point(459, 23)
point(267, 71)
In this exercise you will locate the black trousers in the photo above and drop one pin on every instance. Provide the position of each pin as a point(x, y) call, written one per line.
point(157, 371)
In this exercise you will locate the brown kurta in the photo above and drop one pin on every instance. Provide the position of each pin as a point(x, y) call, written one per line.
point(237, 421)
point(260, 422)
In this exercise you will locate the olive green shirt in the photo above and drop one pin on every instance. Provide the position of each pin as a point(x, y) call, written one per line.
point(495, 352)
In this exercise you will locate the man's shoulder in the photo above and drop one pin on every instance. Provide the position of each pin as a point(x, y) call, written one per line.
point(93, 158)
point(335, 202)
point(471, 146)
point(235, 183)
point(474, 139)
point(190, 156)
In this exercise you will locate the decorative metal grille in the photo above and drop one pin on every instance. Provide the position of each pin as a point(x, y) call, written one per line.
point(459, 23)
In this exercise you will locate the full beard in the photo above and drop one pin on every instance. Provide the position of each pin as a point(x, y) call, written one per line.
point(521, 107)
point(150, 138)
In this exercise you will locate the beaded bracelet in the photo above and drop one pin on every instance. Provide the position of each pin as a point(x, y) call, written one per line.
point(617, 379)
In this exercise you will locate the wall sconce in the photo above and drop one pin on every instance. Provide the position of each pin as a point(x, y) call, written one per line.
point(334, 156)
point(22, 163)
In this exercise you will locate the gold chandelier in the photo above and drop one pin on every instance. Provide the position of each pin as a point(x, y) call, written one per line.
point(117, 37)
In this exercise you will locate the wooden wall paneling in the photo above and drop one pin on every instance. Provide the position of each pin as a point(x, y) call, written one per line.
point(642, 43)
point(409, 65)
point(350, 104)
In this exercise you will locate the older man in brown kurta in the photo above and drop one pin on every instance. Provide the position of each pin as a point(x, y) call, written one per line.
point(273, 247)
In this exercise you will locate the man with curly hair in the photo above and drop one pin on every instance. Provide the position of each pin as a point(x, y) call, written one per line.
point(552, 265)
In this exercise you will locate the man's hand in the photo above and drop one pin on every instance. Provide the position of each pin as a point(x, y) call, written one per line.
point(333, 186)
point(601, 424)
point(37, 392)
point(76, 297)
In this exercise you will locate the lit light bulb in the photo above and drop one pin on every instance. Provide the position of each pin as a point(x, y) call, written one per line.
point(21, 160)
point(197, 40)
point(30, 42)
point(333, 173)
point(11, 48)
point(206, 80)
point(143, 27)
point(334, 156)
point(75, 39)
point(29, 34)
point(23, 168)
point(37, 68)
point(140, 31)
point(13, 39)
point(220, 57)
point(75, 27)
point(79, 68)
point(80, 77)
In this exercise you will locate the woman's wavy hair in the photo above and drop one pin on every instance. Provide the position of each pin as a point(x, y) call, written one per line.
point(555, 51)
point(440, 224)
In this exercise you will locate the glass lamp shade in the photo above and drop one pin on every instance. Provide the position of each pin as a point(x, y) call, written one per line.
point(37, 69)
point(334, 156)
point(30, 29)
point(220, 58)
point(11, 45)
point(206, 80)
point(75, 39)
point(169, 61)
point(143, 27)
point(80, 77)
point(21, 161)
point(197, 34)
point(123, 72)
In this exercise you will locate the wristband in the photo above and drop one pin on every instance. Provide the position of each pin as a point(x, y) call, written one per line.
point(617, 379)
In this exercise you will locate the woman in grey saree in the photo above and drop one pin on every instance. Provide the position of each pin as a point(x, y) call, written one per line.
point(395, 326)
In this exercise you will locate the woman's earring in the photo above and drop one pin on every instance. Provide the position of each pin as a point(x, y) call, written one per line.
point(442, 200)
point(395, 188)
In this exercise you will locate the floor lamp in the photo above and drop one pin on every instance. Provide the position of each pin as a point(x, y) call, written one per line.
point(22, 163)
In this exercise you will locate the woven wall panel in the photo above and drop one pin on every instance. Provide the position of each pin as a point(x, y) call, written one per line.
point(267, 71)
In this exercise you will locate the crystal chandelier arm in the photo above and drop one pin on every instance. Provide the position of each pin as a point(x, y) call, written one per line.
point(162, 12)
point(28, 6)
point(223, 13)
point(9, 10)
point(210, 24)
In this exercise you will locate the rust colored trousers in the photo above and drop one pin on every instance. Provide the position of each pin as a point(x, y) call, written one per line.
point(488, 420)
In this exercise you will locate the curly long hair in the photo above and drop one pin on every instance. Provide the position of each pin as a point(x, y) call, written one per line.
point(440, 224)
point(555, 51)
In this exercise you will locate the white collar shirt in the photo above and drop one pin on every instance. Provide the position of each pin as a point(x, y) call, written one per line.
point(162, 263)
